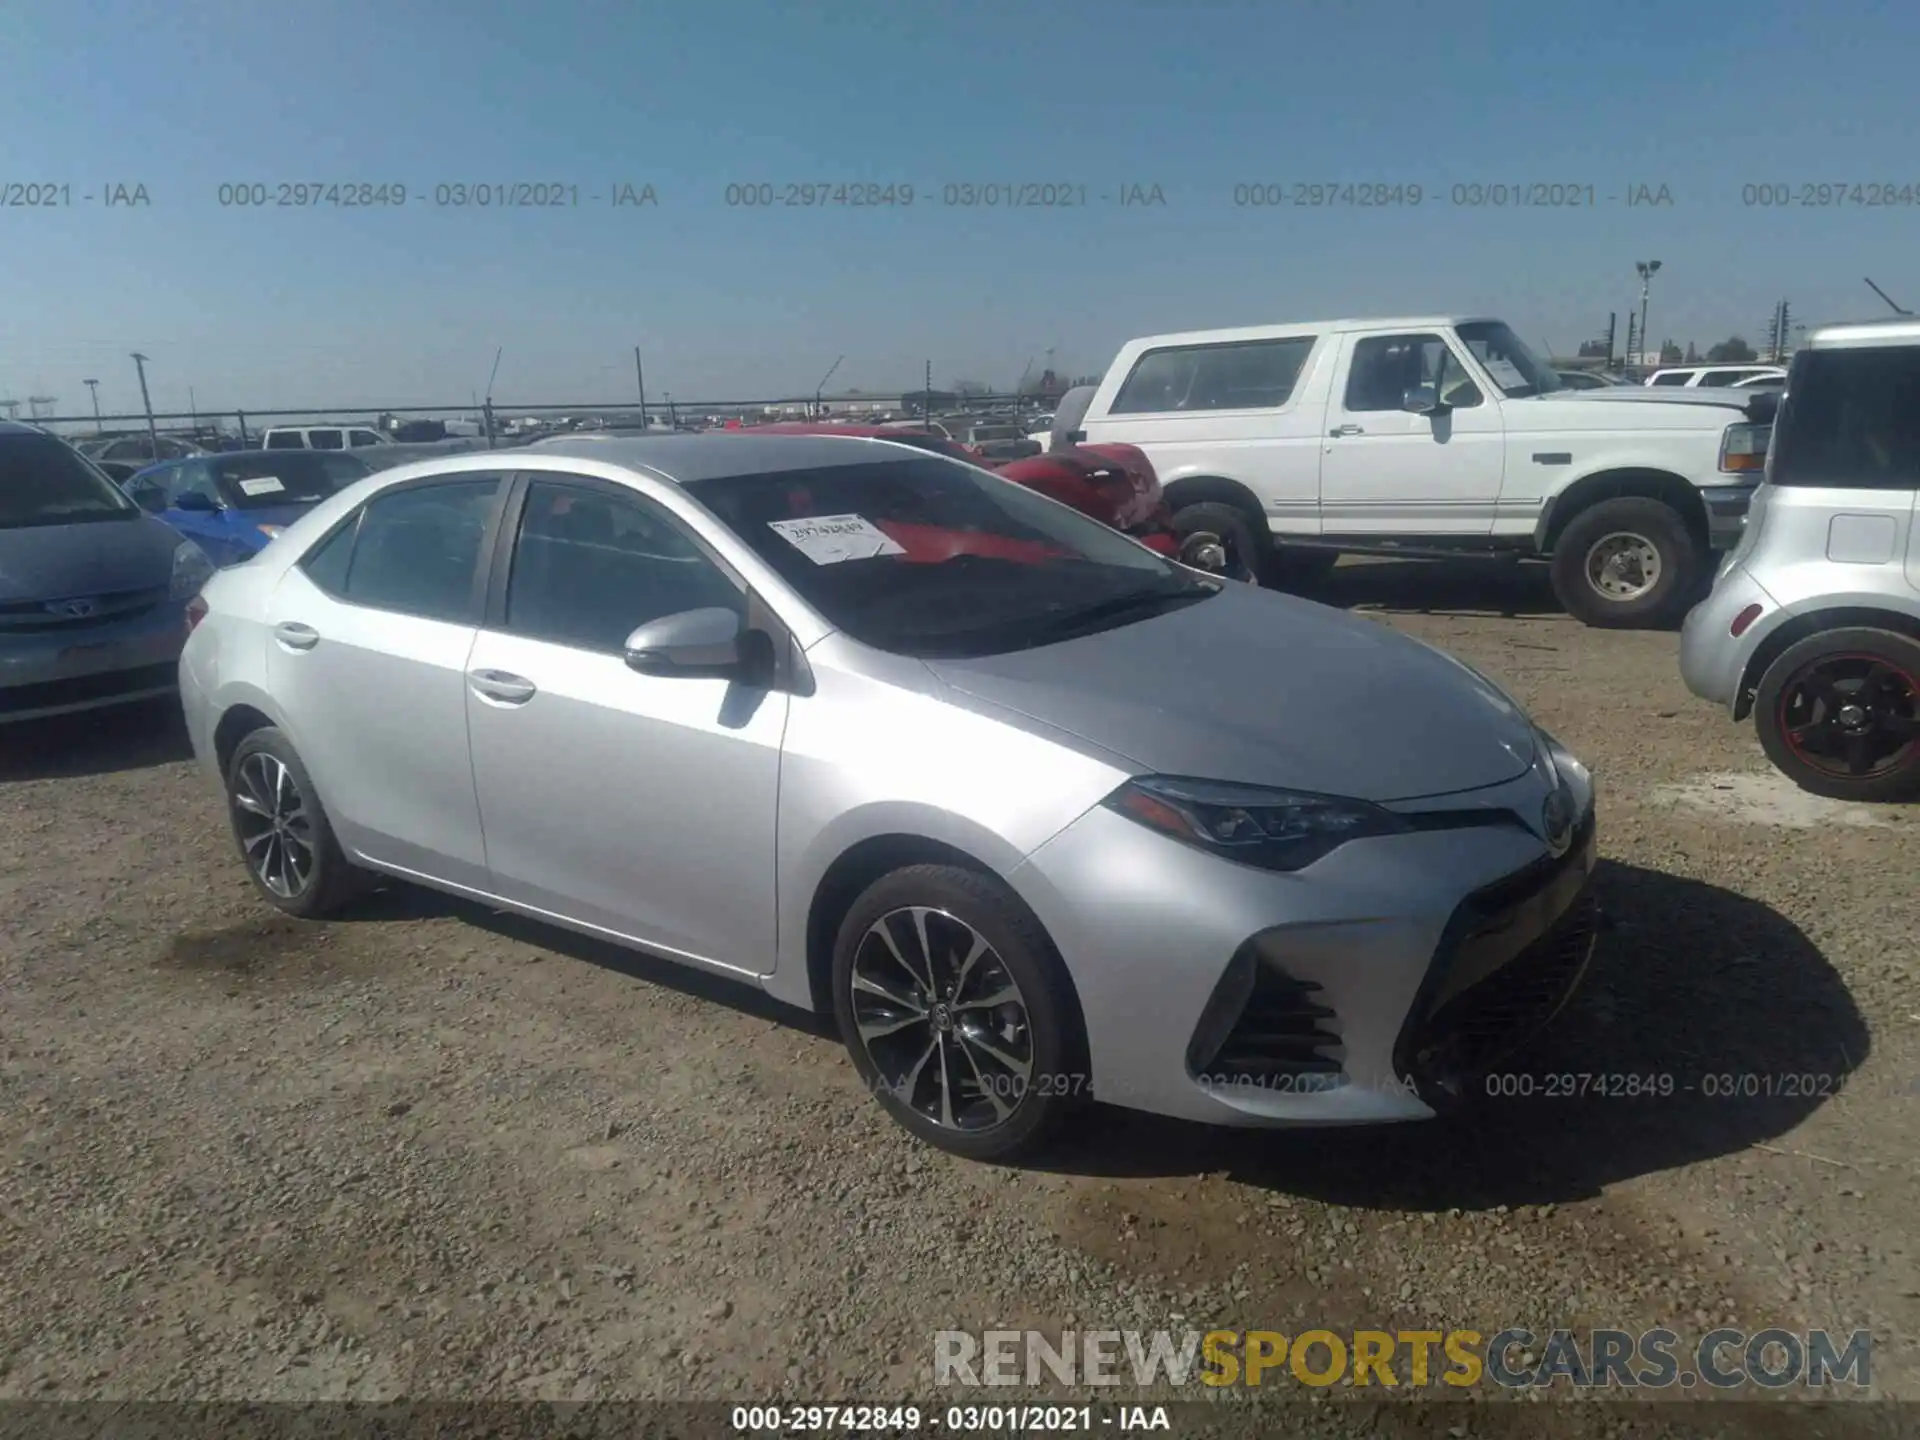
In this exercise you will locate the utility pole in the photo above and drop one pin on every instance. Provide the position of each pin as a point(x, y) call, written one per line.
point(640, 379)
point(1627, 356)
point(193, 408)
point(1613, 317)
point(926, 404)
point(153, 431)
point(93, 388)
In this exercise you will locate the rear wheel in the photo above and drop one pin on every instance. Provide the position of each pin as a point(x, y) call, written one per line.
point(1839, 714)
point(1626, 563)
point(1247, 550)
point(957, 1013)
point(282, 833)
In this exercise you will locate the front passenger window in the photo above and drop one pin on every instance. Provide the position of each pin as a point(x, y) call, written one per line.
point(589, 567)
point(1385, 367)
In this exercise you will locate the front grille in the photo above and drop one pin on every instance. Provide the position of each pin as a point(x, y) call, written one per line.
point(1509, 959)
point(82, 688)
point(1263, 1026)
point(1486, 1022)
point(31, 617)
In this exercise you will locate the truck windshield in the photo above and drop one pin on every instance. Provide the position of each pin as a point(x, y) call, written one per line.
point(1512, 366)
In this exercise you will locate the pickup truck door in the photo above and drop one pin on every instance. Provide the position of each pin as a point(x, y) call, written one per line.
point(1387, 472)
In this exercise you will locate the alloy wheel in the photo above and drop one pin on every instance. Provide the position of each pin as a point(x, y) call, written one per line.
point(942, 1019)
point(1623, 566)
point(275, 828)
point(1851, 715)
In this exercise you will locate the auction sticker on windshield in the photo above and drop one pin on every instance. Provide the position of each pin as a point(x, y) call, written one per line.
point(261, 485)
point(831, 539)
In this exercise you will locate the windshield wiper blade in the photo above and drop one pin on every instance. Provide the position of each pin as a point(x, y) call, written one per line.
point(1118, 605)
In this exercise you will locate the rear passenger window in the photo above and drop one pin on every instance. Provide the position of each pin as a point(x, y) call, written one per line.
point(589, 568)
point(1253, 375)
point(1677, 378)
point(285, 440)
point(415, 550)
point(327, 440)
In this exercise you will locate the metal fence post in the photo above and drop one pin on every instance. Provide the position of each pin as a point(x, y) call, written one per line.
point(243, 430)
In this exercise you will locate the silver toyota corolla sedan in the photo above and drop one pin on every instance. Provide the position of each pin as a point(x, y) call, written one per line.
point(1037, 815)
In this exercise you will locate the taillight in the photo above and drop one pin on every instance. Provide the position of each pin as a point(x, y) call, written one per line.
point(196, 612)
point(1744, 619)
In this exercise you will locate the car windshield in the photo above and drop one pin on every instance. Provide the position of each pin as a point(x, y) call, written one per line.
point(1513, 367)
point(45, 481)
point(997, 432)
point(931, 558)
point(1851, 418)
point(299, 477)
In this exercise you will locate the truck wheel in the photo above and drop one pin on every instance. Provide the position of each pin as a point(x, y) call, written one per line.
point(1839, 715)
point(1626, 564)
point(1247, 554)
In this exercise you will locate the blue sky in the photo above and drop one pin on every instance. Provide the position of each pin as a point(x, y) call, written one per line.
point(290, 307)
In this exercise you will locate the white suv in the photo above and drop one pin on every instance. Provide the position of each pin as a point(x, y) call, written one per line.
point(322, 437)
point(1710, 377)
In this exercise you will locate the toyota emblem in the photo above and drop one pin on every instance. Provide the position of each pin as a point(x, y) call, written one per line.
point(74, 609)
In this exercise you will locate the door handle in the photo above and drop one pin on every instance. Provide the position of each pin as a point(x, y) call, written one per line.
point(295, 636)
point(499, 685)
point(1346, 430)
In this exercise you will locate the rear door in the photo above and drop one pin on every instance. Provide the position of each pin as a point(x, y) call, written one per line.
point(1242, 410)
point(637, 804)
point(368, 644)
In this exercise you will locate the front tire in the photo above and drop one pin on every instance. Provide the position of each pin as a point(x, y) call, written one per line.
point(283, 835)
point(957, 1013)
point(1629, 563)
point(1839, 715)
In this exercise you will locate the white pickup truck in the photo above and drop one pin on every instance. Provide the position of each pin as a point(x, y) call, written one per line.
point(1434, 436)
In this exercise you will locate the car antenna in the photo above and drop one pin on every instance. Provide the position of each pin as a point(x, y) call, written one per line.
point(1884, 296)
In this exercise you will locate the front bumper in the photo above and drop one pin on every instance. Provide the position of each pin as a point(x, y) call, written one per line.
point(79, 665)
point(1712, 659)
point(1369, 988)
point(1727, 507)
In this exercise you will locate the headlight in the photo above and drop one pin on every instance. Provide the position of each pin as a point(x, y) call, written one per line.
point(1743, 449)
point(1565, 768)
point(191, 569)
point(1274, 829)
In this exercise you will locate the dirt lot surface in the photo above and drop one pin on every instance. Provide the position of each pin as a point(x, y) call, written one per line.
point(432, 1151)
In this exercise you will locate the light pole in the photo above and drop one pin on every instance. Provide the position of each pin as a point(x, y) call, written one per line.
point(93, 389)
point(1646, 269)
point(153, 431)
point(819, 407)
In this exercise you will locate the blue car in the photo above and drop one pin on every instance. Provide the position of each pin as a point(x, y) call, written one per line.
point(232, 505)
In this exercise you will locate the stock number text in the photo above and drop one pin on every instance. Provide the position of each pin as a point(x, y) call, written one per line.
point(1830, 194)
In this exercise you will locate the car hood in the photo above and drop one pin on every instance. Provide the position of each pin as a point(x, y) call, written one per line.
point(58, 562)
point(1266, 689)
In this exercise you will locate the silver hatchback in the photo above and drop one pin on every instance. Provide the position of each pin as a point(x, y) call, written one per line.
point(1034, 813)
point(1813, 626)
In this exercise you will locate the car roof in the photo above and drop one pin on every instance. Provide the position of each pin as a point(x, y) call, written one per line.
point(1890, 330)
point(688, 459)
point(1285, 329)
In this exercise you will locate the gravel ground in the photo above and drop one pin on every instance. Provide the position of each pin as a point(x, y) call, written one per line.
point(433, 1151)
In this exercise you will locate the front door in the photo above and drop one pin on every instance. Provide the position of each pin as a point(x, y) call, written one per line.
point(1388, 472)
point(632, 803)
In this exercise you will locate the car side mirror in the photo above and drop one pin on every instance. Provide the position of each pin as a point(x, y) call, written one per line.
point(705, 643)
point(1422, 400)
point(1076, 437)
point(194, 501)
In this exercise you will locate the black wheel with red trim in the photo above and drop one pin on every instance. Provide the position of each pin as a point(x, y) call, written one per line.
point(1839, 714)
